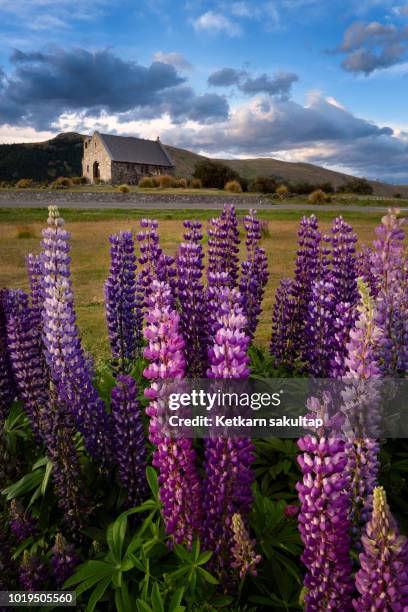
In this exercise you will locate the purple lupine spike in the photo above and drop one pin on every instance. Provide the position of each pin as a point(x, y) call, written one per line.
point(324, 524)
point(382, 580)
point(35, 275)
point(364, 269)
point(180, 489)
point(129, 445)
point(63, 560)
point(33, 573)
point(123, 312)
point(153, 263)
point(391, 308)
point(22, 524)
point(8, 389)
point(223, 245)
point(282, 318)
point(25, 349)
point(362, 398)
point(191, 297)
point(320, 329)
point(343, 261)
point(254, 273)
point(228, 461)
point(243, 553)
point(63, 350)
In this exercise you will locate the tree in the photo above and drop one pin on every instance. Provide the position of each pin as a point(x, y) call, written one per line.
point(214, 174)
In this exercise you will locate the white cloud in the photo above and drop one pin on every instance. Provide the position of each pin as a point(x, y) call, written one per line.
point(174, 59)
point(217, 23)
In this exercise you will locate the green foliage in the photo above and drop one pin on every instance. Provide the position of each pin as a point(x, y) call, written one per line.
point(263, 184)
point(356, 185)
point(214, 174)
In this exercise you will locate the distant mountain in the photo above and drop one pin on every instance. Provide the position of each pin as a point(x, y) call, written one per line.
point(62, 155)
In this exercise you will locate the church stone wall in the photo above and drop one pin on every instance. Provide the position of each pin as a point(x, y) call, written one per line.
point(123, 173)
point(94, 151)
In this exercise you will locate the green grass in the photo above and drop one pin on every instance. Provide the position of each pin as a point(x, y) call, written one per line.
point(90, 230)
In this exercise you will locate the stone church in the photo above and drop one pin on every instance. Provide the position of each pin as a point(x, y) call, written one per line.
point(123, 159)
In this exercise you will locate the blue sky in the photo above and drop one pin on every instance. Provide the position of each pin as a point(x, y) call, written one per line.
point(301, 80)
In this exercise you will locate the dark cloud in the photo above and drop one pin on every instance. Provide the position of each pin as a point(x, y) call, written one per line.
point(372, 46)
point(45, 85)
point(321, 133)
point(278, 85)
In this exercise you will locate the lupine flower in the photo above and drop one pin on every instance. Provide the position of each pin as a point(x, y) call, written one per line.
point(153, 263)
point(33, 573)
point(191, 296)
point(391, 308)
point(254, 273)
point(364, 269)
point(25, 349)
point(324, 524)
point(35, 275)
point(123, 312)
point(228, 473)
point(290, 511)
point(7, 384)
point(63, 350)
point(223, 245)
point(321, 344)
point(63, 560)
point(22, 524)
point(180, 490)
point(282, 319)
point(129, 445)
point(361, 408)
point(245, 559)
point(382, 580)
point(343, 261)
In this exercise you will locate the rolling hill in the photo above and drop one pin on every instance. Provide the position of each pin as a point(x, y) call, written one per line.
point(61, 156)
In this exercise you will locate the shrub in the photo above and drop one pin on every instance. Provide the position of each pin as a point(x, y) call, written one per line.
point(317, 196)
point(282, 191)
point(79, 180)
point(62, 182)
point(123, 188)
point(359, 186)
point(263, 184)
point(195, 183)
point(24, 183)
point(233, 187)
point(181, 183)
point(397, 195)
point(4, 185)
point(166, 181)
point(147, 182)
point(214, 174)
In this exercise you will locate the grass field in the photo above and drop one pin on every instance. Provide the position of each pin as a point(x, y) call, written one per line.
point(90, 230)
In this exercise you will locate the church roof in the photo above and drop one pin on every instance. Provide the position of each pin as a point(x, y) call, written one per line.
point(136, 150)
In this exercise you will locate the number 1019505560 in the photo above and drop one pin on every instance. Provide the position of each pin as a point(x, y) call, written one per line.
point(35, 598)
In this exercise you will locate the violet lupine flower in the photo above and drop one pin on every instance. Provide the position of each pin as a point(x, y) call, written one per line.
point(244, 556)
point(33, 573)
point(391, 308)
point(180, 490)
point(129, 445)
point(63, 560)
point(320, 329)
point(282, 319)
point(382, 580)
point(228, 461)
point(35, 275)
point(191, 297)
point(360, 406)
point(154, 264)
point(25, 349)
point(254, 273)
point(123, 312)
point(364, 269)
point(63, 350)
point(8, 389)
point(324, 525)
point(22, 524)
point(223, 245)
point(291, 510)
point(343, 261)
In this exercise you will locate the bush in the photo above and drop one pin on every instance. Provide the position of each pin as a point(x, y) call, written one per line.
point(397, 195)
point(282, 191)
point(61, 182)
point(181, 183)
point(263, 184)
point(305, 188)
point(214, 174)
point(123, 188)
point(147, 182)
point(4, 185)
point(317, 197)
point(233, 187)
point(359, 186)
point(79, 180)
point(166, 181)
point(196, 183)
point(24, 183)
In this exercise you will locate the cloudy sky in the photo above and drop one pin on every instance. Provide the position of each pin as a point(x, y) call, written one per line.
point(316, 81)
